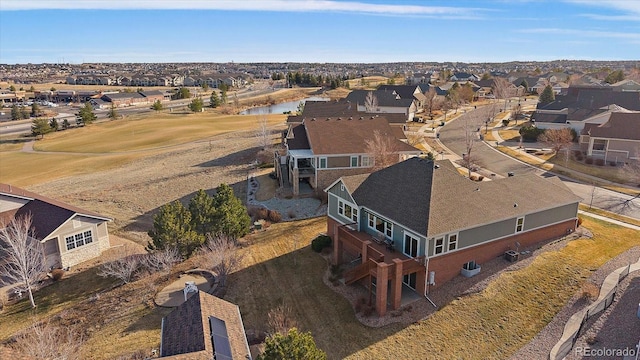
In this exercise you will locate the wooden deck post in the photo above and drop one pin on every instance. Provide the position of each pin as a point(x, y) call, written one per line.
point(382, 279)
point(396, 285)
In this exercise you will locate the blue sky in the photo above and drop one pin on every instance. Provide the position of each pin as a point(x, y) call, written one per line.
point(77, 31)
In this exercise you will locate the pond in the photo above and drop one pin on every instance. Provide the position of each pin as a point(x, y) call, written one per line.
point(280, 108)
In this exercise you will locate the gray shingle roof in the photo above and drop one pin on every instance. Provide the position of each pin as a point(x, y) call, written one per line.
point(438, 200)
point(621, 125)
point(186, 329)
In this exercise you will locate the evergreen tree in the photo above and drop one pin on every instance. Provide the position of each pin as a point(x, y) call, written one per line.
point(157, 105)
point(15, 113)
point(12, 88)
point(183, 93)
point(614, 77)
point(203, 213)
point(231, 216)
point(113, 114)
point(40, 127)
point(196, 105)
point(525, 85)
point(293, 345)
point(35, 110)
point(53, 124)
point(65, 124)
point(172, 228)
point(547, 95)
point(223, 96)
point(86, 114)
point(214, 100)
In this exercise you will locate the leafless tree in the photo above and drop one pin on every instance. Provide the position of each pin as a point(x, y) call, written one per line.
point(634, 74)
point(557, 139)
point(222, 256)
point(383, 149)
point(471, 126)
point(432, 102)
point(280, 320)
point(263, 134)
point(45, 341)
point(501, 89)
point(124, 267)
point(371, 102)
point(22, 259)
point(162, 260)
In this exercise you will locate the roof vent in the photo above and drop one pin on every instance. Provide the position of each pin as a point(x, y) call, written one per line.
point(477, 189)
point(313, 119)
point(338, 119)
point(515, 205)
point(361, 117)
point(350, 118)
point(328, 118)
point(437, 166)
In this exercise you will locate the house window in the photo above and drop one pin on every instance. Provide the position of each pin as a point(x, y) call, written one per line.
point(79, 239)
point(354, 161)
point(599, 144)
point(520, 224)
point(411, 245)
point(322, 163)
point(439, 248)
point(354, 215)
point(453, 242)
point(410, 280)
point(340, 207)
point(380, 225)
point(367, 161)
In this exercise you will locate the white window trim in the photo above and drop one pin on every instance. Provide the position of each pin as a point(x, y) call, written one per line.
point(351, 161)
point(449, 241)
point(386, 223)
point(366, 161)
point(522, 225)
point(320, 162)
point(84, 243)
point(342, 204)
point(412, 236)
point(435, 245)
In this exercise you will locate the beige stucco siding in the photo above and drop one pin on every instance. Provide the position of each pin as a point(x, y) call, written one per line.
point(11, 203)
point(80, 224)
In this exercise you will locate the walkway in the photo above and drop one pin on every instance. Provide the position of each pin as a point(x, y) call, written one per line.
point(173, 295)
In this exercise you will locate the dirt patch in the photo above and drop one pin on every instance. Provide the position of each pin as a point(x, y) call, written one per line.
point(267, 186)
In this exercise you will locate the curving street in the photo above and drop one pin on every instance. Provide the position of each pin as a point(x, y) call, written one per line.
point(452, 136)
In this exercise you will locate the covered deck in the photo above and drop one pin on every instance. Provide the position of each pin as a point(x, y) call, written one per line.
point(379, 260)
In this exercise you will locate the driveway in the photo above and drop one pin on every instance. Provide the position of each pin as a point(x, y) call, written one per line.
point(452, 136)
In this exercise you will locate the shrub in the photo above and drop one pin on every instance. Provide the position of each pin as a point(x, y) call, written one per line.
point(505, 122)
point(577, 153)
point(320, 242)
point(57, 274)
point(480, 178)
point(589, 291)
point(265, 157)
point(588, 160)
point(262, 214)
point(612, 163)
point(530, 133)
point(474, 178)
point(600, 162)
point(579, 221)
point(291, 214)
point(274, 216)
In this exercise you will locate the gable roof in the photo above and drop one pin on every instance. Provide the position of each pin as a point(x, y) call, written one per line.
point(404, 91)
point(186, 329)
point(348, 135)
point(621, 125)
point(433, 198)
point(120, 96)
point(390, 193)
point(342, 108)
point(47, 214)
point(385, 98)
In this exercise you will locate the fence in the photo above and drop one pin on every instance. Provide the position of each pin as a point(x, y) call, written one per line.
point(576, 322)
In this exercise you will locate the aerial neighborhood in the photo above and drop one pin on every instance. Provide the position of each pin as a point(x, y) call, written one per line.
point(373, 188)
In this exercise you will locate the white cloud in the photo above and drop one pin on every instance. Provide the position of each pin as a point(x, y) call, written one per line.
point(244, 5)
point(629, 9)
point(583, 33)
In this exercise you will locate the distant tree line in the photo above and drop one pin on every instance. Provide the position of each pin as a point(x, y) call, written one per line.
point(307, 79)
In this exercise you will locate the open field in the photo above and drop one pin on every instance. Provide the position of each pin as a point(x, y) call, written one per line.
point(149, 131)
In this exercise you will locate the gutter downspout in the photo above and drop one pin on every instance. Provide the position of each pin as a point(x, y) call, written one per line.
point(161, 332)
point(426, 280)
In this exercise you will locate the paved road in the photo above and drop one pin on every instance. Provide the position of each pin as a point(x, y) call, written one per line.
point(452, 136)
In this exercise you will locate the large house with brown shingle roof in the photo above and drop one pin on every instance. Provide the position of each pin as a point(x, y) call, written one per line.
point(320, 150)
point(417, 224)
point(616, 140)
point(69, 234)
point(204, 327)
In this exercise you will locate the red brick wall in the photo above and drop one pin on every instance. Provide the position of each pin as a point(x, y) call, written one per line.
point(448, 266)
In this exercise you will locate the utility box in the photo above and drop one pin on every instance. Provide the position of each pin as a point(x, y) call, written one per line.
point(511, 255)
